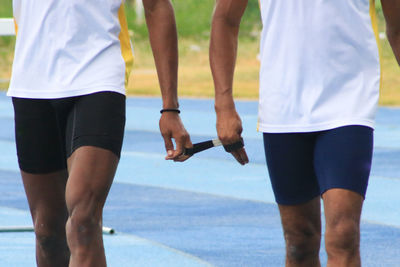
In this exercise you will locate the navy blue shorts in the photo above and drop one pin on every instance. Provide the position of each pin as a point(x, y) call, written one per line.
point(303, 166)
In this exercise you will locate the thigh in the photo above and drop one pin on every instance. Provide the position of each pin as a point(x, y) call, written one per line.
point(40, 146)
point(341, 205)
point(97, 120)
point(94, 138)
point(46, 198)
point(343, 158)
point(91, 173)
point(290, 165)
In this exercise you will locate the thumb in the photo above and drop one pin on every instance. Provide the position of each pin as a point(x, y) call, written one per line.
point(169, 147)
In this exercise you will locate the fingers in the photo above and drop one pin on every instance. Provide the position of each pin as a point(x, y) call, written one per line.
point(181, 144)
point(169, 147)
point(229, 128)
point(177, 154)
point(236, 148)
point(171, 127)
point(241, 156)
point(182, 140)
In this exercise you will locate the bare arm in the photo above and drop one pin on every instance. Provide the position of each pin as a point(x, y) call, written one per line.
point(391, 10)
point(160, 20)
point(223, 51)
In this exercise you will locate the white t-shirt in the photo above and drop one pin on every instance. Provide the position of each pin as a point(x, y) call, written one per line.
point(69, 48)
point(319, 65)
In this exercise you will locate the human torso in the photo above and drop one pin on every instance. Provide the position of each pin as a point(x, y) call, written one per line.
point(319, 65)
point(69, 47)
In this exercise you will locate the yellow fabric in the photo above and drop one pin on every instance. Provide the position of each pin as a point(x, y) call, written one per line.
point(372, 13)
point(16, 27)
point(258, 119)
point(126, 48)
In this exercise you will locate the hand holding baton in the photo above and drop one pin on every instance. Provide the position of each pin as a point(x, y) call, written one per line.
point(198, 147)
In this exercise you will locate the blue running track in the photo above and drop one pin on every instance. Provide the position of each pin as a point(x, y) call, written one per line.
point(208, 211)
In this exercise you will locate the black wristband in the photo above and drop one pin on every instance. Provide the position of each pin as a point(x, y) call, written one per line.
point(170, 110)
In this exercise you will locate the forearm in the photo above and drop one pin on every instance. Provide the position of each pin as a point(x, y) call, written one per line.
point(391, 11)
point(164, 42)
point(223, 50)
point(394, 40)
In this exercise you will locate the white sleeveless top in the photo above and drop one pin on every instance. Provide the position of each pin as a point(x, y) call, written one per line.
point(319, 65)
point(68, 48)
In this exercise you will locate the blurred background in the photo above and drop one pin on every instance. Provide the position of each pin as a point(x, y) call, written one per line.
point(193, 21)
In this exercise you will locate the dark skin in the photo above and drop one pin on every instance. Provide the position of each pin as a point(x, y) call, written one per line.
point(67, 205)
point(223, 50)
point(301, 223)
point(391, 11)
point(163, 38)
point(46, 197)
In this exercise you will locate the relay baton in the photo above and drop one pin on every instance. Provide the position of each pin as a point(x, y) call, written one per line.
point(198, 147)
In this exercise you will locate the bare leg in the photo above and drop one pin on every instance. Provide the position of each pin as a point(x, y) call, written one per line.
point(46, 197)
point(91, 172)
point(302, 230)
point(342, 237)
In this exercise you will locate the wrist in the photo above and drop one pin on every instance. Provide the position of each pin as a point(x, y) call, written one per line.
point(224, 103)
point(170, 104)
point(173, 110)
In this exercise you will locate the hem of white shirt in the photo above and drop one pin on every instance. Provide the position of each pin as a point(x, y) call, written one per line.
point(291, 128)
point(35, 94)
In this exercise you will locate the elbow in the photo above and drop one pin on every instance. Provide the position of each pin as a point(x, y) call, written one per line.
point(148, 10)
point(394, 40)
point(150, 6)
point(393, 33)
point(156, 9)
point(229, 12)
point(228, 21)
point(232, 22)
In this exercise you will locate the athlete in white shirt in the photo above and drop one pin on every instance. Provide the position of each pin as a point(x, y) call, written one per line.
point(319, 85)
point(72, 59)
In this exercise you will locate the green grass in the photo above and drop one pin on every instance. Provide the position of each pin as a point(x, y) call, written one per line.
point(5, 8)
point(6, 43)
point(193, 18)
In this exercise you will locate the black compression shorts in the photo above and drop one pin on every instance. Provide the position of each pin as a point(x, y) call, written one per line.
point(48, 131)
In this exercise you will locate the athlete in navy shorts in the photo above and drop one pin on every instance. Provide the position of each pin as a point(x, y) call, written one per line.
point(319, 87)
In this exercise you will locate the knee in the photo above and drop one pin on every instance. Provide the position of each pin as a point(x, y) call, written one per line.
point(84, 222)
point(302, 245)
point(81, 226)
point(343, 236)
point(85, 209)
point(51, 243)
point(51, 239)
